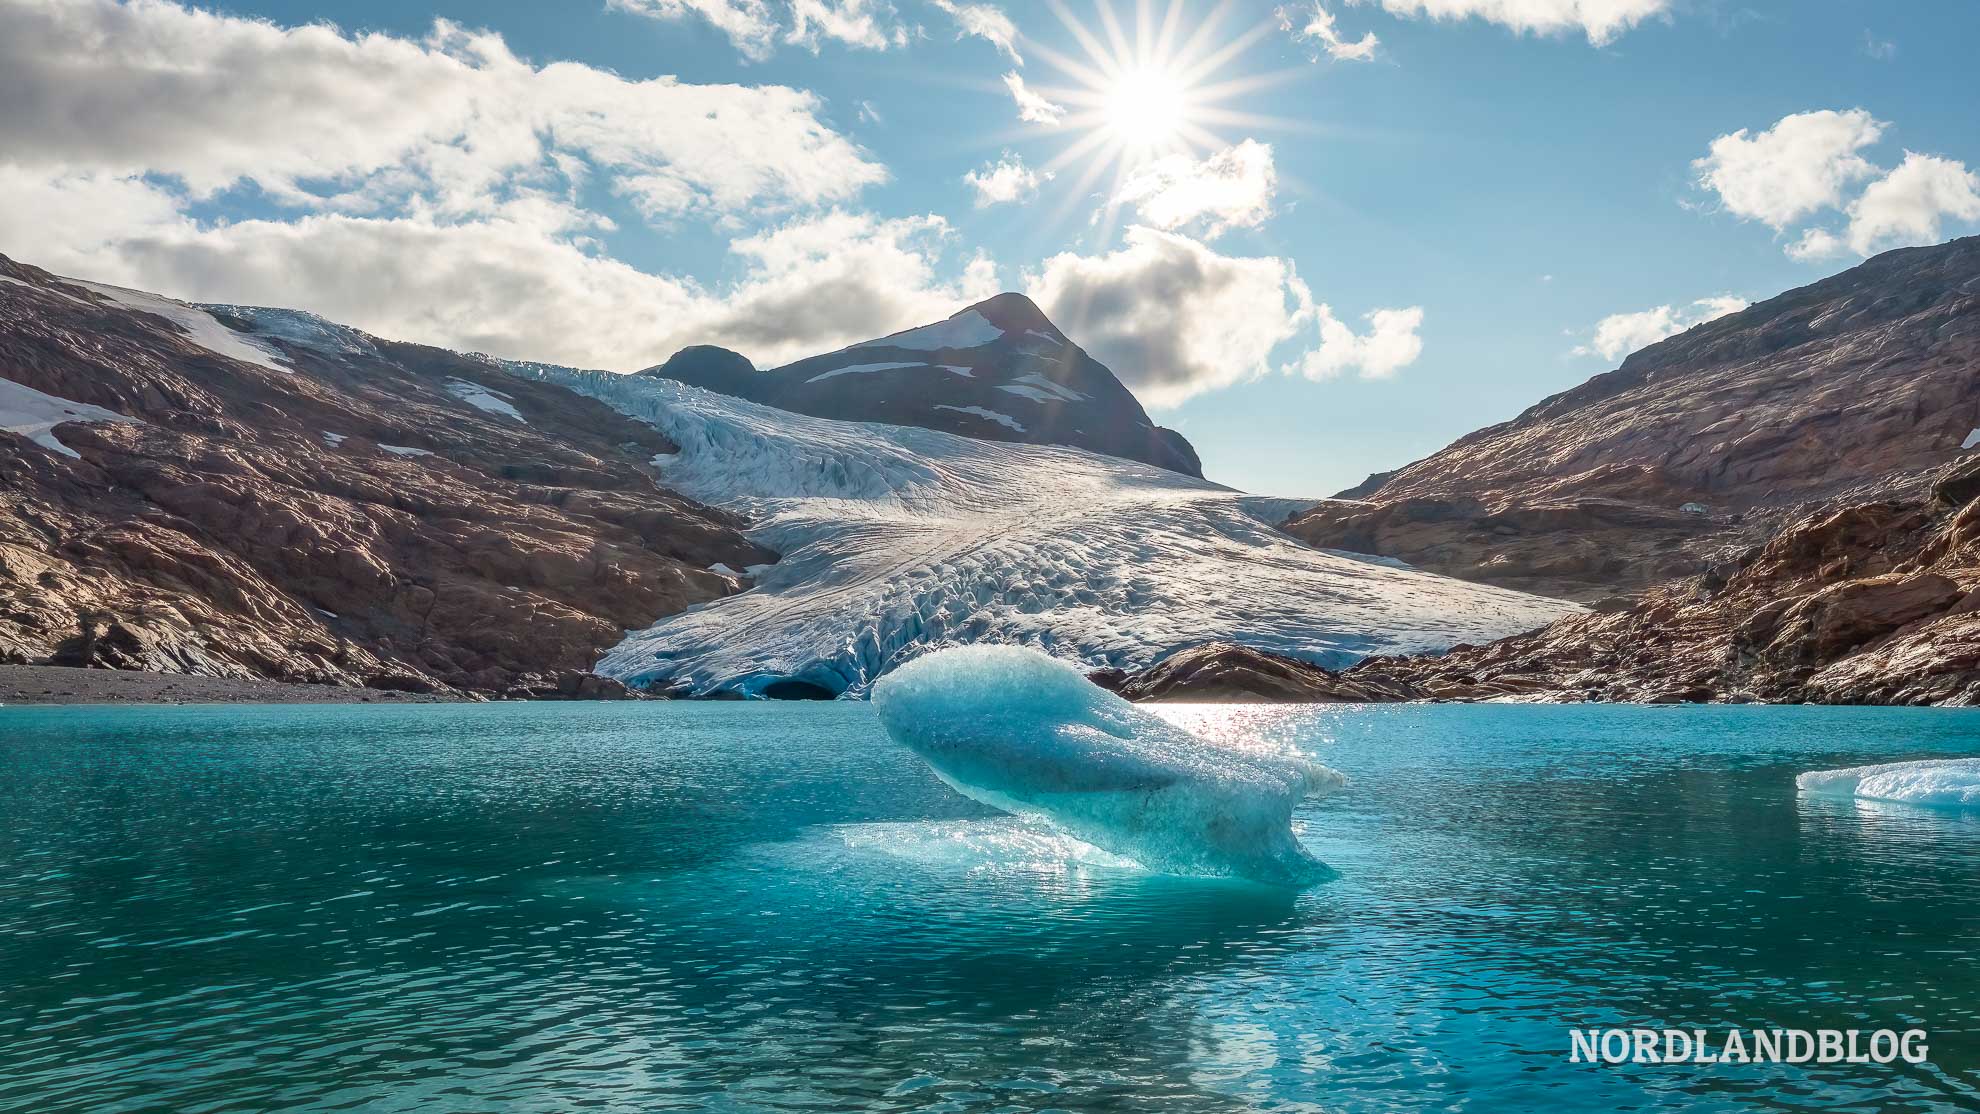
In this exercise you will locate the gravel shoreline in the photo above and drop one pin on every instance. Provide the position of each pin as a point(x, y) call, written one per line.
point(56, 684)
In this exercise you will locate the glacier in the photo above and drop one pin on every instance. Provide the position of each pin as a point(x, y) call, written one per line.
point(1028, 734)
point(1953, 782)
point(897, 538)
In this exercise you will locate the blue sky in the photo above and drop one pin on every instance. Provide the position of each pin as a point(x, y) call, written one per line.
point(1495, 178)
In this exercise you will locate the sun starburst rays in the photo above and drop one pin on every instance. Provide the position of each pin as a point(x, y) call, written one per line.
point(1150, 87)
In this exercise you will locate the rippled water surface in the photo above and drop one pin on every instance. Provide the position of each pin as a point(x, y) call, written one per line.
point(768, 907)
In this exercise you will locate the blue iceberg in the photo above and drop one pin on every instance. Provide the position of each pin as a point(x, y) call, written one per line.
point(1939, 782)
point(1025, 733)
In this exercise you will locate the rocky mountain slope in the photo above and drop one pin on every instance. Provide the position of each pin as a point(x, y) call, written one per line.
point(248, 493)
point(1862, 602)
point(1849, 387)
point(997, 370)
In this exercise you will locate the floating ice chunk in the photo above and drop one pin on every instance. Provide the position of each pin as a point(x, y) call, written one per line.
point(1937, 781)
point(1022, 732)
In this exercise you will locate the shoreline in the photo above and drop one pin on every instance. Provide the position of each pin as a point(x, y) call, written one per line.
point(42, 685)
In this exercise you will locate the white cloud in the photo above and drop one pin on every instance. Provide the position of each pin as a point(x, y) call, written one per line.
point(749, 24)
point(1005, 181)
point(1321, 28)
point(1816, 244)
point(757, 26)
point(1232, 188)
point(822, 283)
point(868, 24)
point(1619, 334)
point(1032, 107)
point(516, 283)
point(1174, 318)
point(1390, 344)
point(1600, 20)
point(1906, 206)
point(987, 22)
point(1799, 166)
point(319, 119)
point(1809, 163)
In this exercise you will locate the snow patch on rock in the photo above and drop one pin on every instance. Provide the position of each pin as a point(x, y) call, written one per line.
point(199, 326)
point(34, 415)
point(983, 412)
point(1023, 390)
point(1056, 390)
point(968, 329)
point(301, 329)
point(481, 398)
point(861, 369)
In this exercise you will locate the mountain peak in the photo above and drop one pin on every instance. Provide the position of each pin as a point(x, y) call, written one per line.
point(1014, 313)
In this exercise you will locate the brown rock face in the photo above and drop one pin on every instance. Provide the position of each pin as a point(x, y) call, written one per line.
point(1864, 603)
point(349, 515)
point(1227, 673)
point(1843, 386)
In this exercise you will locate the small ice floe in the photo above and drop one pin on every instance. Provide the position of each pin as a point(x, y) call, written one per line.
point(1030, 735)
point(1943, 782)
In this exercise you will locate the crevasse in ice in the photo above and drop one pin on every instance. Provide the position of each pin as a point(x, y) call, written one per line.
point(896, 538)
point(1953, 782)
point(1027, 734)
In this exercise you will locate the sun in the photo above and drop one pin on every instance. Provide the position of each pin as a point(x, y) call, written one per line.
point(1147, 107)
point(1143, 86)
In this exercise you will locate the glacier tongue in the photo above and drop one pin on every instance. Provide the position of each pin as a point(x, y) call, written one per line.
point(897, 538)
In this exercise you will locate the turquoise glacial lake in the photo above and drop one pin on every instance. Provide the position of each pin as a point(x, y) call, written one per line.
point(768, 907)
